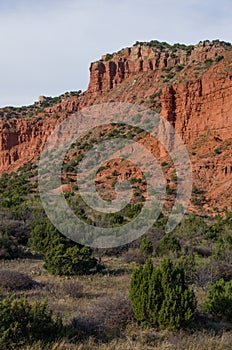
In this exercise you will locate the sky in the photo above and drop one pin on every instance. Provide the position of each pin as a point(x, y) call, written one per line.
point(47, 45)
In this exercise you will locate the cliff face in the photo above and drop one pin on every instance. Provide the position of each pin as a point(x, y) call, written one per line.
point(190, 86)
point(112, 71)
point(194, 85)
point(22, 141)
point(195, 107)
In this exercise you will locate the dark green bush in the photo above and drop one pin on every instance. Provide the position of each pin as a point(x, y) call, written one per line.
point(76, 260)
point(218, 150)
point(22, 323)
point(9, 249)
point(209, 61)
point(223, 249)
point(219, 300)
point(192, 228)
point(188, 264)
point(219, 58)
point(45, 236)
point(108, 56)
point(160, 296)
point(164, 164)
point(156, 94)
point(168, 244)
point(62, 256)
point(170, 191)
point(179, 67)
point(146, 247)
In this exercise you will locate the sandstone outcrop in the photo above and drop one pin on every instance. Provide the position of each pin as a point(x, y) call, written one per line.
point(190, 86)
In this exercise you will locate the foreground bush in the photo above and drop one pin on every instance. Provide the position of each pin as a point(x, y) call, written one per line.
point(22, 323)
point(160, 296)
point(219, 300)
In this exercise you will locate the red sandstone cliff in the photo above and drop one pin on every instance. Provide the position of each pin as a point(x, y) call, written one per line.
point(190, 86)
point(108, 73)
point(22, 141)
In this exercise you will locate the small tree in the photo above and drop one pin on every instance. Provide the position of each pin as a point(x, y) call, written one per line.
point(219, 300)
point(146, 247)
point(160, 296)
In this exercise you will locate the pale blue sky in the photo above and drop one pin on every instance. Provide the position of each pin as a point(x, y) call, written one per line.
point(47, 45)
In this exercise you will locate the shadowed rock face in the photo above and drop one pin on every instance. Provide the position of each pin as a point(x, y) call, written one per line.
point(190, 86)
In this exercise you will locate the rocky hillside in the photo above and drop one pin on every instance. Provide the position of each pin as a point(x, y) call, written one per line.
point(191, 86)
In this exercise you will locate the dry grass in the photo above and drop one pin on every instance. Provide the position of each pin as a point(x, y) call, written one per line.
point(73, 288)
point(198, 341)
point(11, 280)
point(116, 278)
point(103, 298)
point(107, 318)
